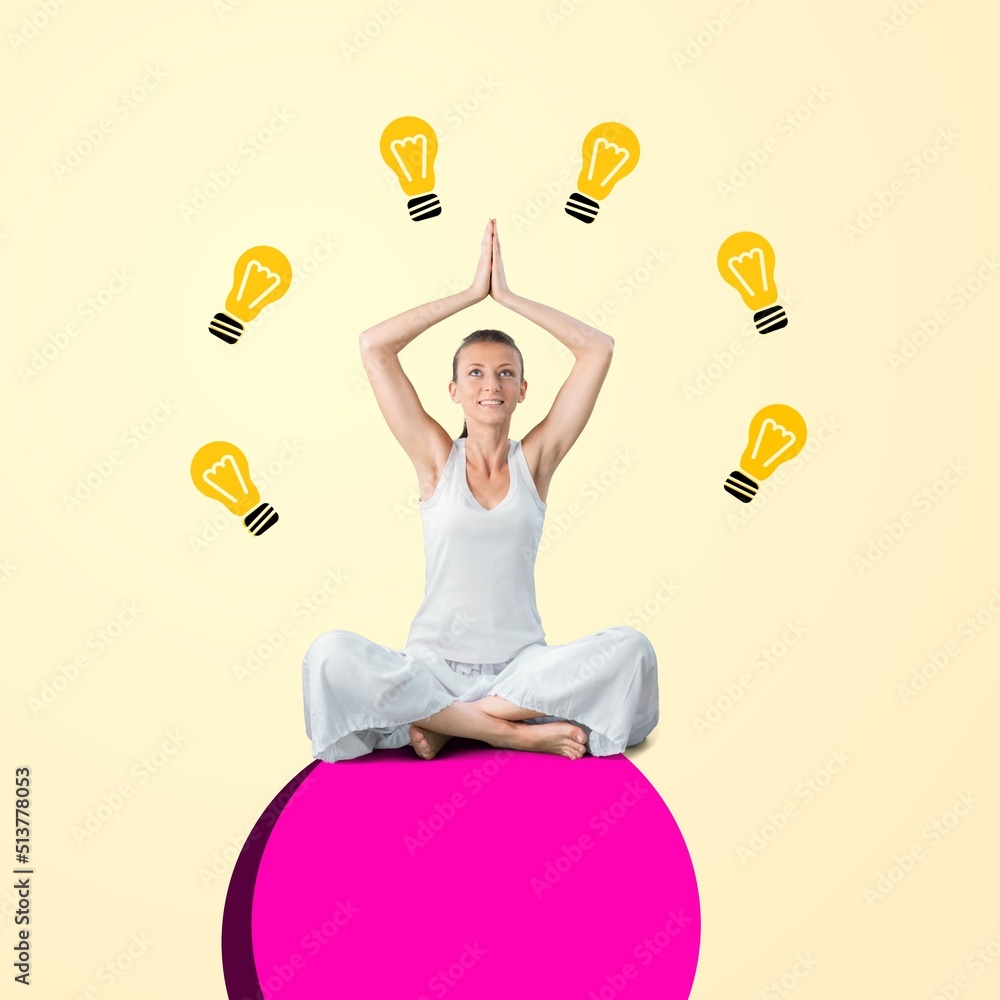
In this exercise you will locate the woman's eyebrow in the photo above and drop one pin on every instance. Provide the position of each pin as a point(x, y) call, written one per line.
point(479, 364)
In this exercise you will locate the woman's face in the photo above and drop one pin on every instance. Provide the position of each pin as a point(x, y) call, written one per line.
point(489, 385)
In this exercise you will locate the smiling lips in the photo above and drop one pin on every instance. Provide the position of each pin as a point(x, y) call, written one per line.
point(491, 402)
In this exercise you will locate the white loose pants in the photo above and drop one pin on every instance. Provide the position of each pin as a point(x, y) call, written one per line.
point(361, 696)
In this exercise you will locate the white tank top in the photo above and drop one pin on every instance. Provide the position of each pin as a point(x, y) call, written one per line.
point(479, 593)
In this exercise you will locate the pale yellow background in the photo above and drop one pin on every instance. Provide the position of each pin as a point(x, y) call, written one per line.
point(345, 491)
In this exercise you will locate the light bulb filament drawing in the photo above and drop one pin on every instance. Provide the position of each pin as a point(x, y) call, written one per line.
point(603, 145)
point(256, 268)
point(233, 472)
point(783, 433)
point(395, 145)
point(757, 271)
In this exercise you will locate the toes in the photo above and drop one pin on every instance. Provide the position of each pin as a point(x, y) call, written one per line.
point(418, 740)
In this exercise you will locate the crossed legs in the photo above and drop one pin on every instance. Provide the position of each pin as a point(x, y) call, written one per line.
point(496, 721)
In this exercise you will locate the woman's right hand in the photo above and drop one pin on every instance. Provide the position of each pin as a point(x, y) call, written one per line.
point(481, 283)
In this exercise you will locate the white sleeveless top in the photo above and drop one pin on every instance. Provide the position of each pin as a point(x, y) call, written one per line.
point(479, 592)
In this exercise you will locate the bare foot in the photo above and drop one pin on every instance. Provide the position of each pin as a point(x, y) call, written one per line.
point(549, 737)
point(425, 742)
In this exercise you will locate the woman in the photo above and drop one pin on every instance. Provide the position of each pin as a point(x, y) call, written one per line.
point(476, 663)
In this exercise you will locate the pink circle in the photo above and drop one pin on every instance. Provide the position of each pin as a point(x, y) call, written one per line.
point(483, 874)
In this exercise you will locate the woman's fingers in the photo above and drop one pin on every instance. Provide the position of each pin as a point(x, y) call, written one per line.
point(498, 280)
point(481, 282)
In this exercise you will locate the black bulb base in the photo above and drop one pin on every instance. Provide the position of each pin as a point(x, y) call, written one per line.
point(741, 486)
point(581, 207)
point(226, 328)
point(424, 206)
point(770, 319)
point(260, 519)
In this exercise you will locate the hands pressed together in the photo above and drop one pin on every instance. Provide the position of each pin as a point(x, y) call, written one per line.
point(490, 278)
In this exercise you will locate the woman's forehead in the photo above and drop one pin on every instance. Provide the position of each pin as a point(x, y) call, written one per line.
point(498, 354)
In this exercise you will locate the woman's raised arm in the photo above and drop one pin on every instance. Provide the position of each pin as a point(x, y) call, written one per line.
point(420, 435)
point(395, 333)
point(575, 401)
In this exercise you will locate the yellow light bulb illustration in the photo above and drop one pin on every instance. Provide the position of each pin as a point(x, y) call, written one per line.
point(777, 434)
point(746, 261)
point(409, 145)
point(220, 471)
point(610, 152)
point(261, 276)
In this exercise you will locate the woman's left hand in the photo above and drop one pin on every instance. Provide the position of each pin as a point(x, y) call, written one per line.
point(498, 280)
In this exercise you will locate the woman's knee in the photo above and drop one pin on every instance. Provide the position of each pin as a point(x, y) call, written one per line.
point(330, 650)
point(632, 640)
